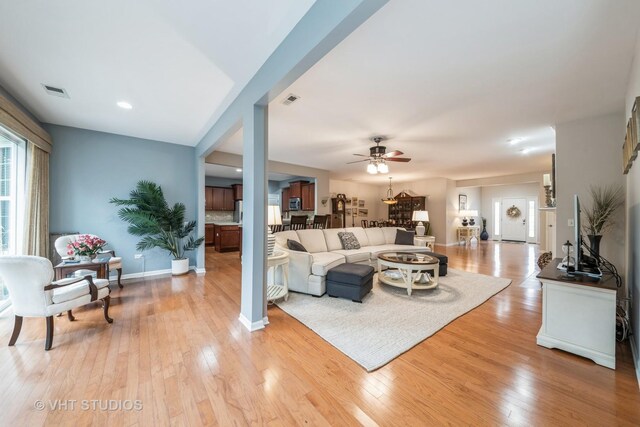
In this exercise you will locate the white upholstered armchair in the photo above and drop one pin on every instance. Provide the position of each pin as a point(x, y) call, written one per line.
point(115, 263)
point(33, 294)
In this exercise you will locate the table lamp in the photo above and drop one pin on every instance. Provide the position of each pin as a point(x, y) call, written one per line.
point(420, 216)
point(273, 218)
point(468, 213)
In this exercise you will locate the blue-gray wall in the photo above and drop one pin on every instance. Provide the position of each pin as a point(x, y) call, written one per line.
point(88, 168)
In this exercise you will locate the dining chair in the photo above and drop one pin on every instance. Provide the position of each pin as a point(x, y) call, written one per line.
point(320, 221)
point(364, 223)
point(33, 293)
point(298, 222)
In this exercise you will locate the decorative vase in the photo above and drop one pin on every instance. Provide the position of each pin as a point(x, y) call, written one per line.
point(83, 258)
point(594, 244)
point(179, 266)
point(484, 235)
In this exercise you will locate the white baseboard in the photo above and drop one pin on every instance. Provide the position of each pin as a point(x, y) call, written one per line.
point(255, 326)
point(636, 358)
point(150, 273)
point(199, 271)
point(265, 320)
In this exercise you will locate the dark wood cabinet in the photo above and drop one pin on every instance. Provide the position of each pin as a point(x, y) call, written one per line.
point(308, 192)
point(286, 195)
point(218, 199)
point(228, 201)
point(209, 234)
point(208, 198)
point(227, 238)
point(402, 212)
point(237, 191)
point(295, 189)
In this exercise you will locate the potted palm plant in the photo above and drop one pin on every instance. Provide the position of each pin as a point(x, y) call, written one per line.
point(160, 225)
point(599, 216)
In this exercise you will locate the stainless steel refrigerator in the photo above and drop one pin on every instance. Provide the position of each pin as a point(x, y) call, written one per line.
point(237, 212)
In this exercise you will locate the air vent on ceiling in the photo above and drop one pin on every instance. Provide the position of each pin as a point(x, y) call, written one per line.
point(55, 91)
point(291, 98)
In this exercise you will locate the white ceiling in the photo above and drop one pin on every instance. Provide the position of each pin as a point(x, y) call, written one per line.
point(451, 82)
point(179, 65)
point(222, 171)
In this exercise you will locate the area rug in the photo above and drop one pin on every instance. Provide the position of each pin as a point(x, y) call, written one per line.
point(389, 322)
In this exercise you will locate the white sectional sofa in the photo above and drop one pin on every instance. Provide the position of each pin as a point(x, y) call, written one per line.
point(308, 270)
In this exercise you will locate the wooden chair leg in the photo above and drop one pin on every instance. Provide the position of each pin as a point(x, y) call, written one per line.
point(70, 316)
point(17, 326)
point(49, 342)
point(105, 305)
point(119, 276)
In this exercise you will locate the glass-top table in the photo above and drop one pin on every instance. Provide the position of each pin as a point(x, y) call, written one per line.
point(408, 270)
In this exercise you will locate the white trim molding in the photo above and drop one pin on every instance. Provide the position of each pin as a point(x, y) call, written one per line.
point(252, 327)
point(143, 274)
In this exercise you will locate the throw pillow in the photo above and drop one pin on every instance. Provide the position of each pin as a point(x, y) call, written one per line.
point(295, 246)
point(349, 240)
point(404, 237)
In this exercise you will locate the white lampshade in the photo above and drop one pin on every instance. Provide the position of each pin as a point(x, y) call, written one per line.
point(273, 215)
point(383, 167)
point(420, 216)
point(372, 169)
point(468, 213)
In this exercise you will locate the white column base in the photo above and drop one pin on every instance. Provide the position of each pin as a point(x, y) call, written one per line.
point(255, 326)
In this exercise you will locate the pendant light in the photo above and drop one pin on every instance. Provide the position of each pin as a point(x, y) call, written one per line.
point(390, 200)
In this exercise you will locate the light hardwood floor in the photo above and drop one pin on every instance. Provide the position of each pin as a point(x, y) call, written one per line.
point(177, 346)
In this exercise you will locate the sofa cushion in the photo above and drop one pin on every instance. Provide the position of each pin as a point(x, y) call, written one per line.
point(375, 236)
point(313, 240)
point(349, 240)
point(389, 234)
point(325, 261)
point(355, 255)
point(405, 237)
point(360, 234)
point(295, 246)
point(332, 239)
point(283, 236)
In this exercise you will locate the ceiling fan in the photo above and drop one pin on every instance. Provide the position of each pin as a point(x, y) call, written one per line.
point(378, 157)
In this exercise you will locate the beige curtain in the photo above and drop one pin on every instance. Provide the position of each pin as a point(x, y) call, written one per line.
point(36, 226)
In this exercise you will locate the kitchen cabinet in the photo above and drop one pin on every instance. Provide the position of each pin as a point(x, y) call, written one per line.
point(228, 203)
point(295, 188)
point(218, 199)
point(227, 237)
point(308, 192)
point(237, 191)
point(286, 195)
point(209, 234)
point(208, 198)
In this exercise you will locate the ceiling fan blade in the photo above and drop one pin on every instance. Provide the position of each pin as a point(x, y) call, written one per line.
point(392, 154)
point(358, 161)
point(398, 159)
point(362, 155)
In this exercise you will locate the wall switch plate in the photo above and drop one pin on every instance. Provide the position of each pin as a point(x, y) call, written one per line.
point(138, 256)
point(571, 223)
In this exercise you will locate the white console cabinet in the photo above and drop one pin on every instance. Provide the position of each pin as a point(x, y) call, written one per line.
point(579, 315)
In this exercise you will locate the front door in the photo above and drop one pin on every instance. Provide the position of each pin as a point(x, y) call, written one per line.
point(514, 219)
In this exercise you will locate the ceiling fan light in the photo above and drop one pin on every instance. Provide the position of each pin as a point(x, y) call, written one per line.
point(372, 169)
point(383, 167)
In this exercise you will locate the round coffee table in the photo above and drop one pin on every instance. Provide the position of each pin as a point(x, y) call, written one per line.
point(411, 268)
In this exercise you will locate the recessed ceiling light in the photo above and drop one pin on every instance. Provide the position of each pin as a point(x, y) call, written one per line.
point(238, 170)
point(125, 105)
point(514, 141)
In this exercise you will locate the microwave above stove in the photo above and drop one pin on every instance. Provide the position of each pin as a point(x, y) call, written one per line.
point(295, 204)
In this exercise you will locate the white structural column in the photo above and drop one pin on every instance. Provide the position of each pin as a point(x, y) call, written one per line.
point(253, 305)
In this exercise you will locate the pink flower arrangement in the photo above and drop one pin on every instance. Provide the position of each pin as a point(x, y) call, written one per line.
point(85, 245)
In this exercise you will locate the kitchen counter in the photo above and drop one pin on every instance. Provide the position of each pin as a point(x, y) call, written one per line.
point(223, 223)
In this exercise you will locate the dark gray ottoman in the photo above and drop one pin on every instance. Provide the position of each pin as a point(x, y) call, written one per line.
point(442, 271)
point(350, 281)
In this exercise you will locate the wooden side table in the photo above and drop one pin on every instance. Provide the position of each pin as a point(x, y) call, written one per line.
point(279, 260)
point(467, 233)
point(100, 267)
point(426, 241)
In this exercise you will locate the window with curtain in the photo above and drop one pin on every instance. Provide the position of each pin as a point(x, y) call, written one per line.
point(12, 181)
